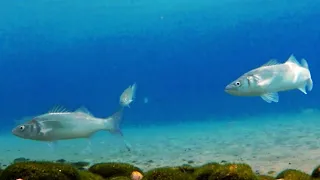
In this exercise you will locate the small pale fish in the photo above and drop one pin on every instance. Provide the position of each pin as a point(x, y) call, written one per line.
point(271, 78)
point(145, 100)
point(128, 95)
point(60, 124)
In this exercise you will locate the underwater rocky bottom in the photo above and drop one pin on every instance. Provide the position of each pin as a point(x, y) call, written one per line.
point(62, 170)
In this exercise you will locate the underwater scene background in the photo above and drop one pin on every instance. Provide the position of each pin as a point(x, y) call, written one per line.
point(181, 54)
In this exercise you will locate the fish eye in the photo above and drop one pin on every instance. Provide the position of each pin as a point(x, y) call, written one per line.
point(237, 83)
point(21, 128)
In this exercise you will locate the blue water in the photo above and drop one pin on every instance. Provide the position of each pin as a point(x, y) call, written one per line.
point(181, 54)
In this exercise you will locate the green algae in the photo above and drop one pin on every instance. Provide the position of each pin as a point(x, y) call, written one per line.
point(216, 171)
point(265, 177)
point(292, 174)
point(205, 171)
point(112, 169)
point(81, 165)
point(185, 168)
point(86, 175)
point(167, 173)
point(40, 171)
point(120, 178)
point(33, 170)
point(232, 171)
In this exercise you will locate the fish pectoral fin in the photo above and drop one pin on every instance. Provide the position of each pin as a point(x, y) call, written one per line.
point(260, 81)
point(44, 131)
point(51, 124)
point(265, 82)
point(270, 97)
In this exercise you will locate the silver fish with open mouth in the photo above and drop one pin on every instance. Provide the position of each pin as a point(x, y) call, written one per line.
point(271, 78)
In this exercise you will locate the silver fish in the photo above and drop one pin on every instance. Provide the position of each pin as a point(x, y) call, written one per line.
point(59, 124)
point(271, 78)
point(128, 95)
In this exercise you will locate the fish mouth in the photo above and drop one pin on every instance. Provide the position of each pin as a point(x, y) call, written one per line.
point(228, 88)
point(14, 132)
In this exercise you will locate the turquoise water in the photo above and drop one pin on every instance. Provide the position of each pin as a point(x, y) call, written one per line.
point(181, 54)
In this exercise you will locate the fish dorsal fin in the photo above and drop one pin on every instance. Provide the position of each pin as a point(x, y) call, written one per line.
point(58, 109)
point(271, 62)
point(293, 60)
point(84, 110)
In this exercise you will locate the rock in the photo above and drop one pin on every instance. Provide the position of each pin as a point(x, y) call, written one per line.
point(86, 175)
point(264, 177)
point(215, 171)
point(186, 168)
point(167, 173)
point(205, 171)
point(120, 178)
point(293, 175)
point(81, 165)
point(316, 172)
point(108, 170)
point(39, 171)
point(60, 161)
point(21, 159)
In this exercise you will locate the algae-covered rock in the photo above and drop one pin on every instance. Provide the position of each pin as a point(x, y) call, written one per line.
point(86, 175)
point(215, 171)
point(20, 159)
point(271, 173)
point(120, 178)
point(81, 165)
point(291, 174)
point(316, 172)
point(40, 171)
point(205, 171)
point(167, 173)
point(264, 177)
point(108, 170)
point(186, 168)
point(233, 172)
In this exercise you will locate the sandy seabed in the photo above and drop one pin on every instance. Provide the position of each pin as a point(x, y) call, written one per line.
point(267, 143)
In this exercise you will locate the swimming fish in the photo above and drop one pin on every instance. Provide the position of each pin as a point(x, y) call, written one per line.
point(60, 124)
point(128, 95)
point(271, 78)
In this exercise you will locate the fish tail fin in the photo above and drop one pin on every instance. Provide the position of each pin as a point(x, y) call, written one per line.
point(309, 82)
point(112, 123)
